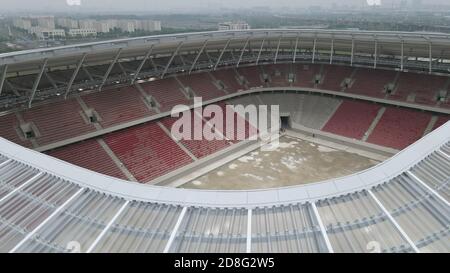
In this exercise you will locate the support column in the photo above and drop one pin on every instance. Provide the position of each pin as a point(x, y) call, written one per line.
point(353, 51)
point(3, 77)
point(141, 65)
point(242, 52)
point(37, 81)
point(402, 55)
point(375, 54)
point(278, 49)
point(314, 50)
point(221, 54)
point(105, 77)
point(198, 56)
point(260, 50)
point(295, 49)
point(171, 59)
point(332, 51)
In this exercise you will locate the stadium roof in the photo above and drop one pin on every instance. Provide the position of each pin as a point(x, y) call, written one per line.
point(33, 69)
point(402, 204)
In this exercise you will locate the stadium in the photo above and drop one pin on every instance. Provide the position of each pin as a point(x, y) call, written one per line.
point(88, 162)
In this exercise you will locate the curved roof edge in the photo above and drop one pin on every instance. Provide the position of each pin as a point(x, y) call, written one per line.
point(201, 36)
point(378, 174)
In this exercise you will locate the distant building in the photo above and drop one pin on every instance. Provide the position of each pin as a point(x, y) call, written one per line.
point(82, 32)
point(127, 25)
point(233, 25)
point(46, 22)
point(22, 23)
point(102, 27)
point(87, 23)
point(67, 23)
point(48, 34)
point(148, 25)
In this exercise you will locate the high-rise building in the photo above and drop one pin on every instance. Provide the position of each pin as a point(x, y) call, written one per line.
point(148, 25)
point(46, 22)
point(67, 22)
point(22, 23)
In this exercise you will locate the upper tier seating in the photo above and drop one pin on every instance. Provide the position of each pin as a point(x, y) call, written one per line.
point(305, 74)
point(399, 127)
point(424, 86)
point(334, 75)
point(118, 106)
point(278, 74)
point(9, 129)
point(202, 85)
point(370, 82)
point(58, 121)
point(166, 92)
point(147, 151)
point(229, 78)
point(253, 76)
point(90, 155)
point(352, 119)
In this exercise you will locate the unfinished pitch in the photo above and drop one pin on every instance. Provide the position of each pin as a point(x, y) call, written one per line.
point(294, 162)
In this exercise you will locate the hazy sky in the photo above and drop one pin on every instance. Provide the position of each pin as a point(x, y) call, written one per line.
point(164, 5)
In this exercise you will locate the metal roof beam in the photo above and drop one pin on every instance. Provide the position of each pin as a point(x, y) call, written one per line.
point(141, 65)
point(107, 227)
point(43, 223)
point(295, 49)
point(86, 71)
point(221, 53)
point(402, 54)
point(430, 55)
point(332, 51)
point(50, 79)
point(260, 51)
point(428, 188)
point(175, 230)
point(3, 77)
point(353, 51)
point(314, 50)
point(198, 56)
point(111, 66)
point(36, 82)
point(322, 228)
point(392, 220)
point(375, 54)
point(249, 232)
point(242, 52)
point(171, 59)
point(278, 49)
point(74, 75)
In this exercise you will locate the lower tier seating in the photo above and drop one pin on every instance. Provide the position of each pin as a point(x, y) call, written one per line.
point(352, 119)
point(147, 151)
point(399, 127)
point(90, 155)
